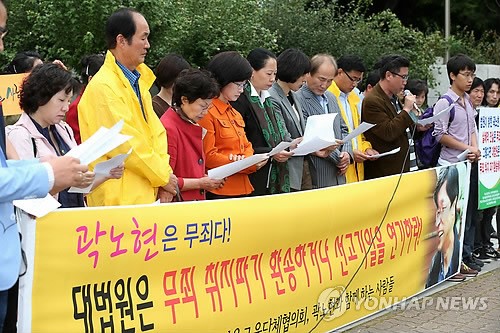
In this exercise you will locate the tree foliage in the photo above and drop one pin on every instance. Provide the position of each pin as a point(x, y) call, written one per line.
point(478, 16)
point(336, 29)
point(484, 51)
point(70, 29)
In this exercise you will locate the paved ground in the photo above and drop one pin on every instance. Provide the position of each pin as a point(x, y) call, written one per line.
point(456, 316)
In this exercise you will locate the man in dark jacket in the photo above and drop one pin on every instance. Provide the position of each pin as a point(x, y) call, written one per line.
point(382, 108)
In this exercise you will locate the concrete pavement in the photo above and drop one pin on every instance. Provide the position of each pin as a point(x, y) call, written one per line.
point(469, 306)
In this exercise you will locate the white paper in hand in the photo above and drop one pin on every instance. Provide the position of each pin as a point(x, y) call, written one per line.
point(102, 142)
point(279, 148)
point(102, 171)
point(38, 207)
point(441, 115)
point(317, 135)
point(463, 155)
point(363, 127)
point(390, 152)
point(234, 167)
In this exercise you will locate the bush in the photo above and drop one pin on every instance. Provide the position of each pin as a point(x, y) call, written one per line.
point(347, 30)
point(486, 50)
point(69, 29)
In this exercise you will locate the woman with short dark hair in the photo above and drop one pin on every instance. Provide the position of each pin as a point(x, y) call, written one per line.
point(40, 131)
point(476, 92)
point(23, 62)
point(420, 89)
point(293, 68)
point(225, 140)
point(166, 72)
point(191, 98)
point(264, 128)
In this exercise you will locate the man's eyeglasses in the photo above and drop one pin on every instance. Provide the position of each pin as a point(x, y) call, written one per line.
point(404, 77)
point(468, 75)
point(240, 85)
point(3, 32)
point(357, 81)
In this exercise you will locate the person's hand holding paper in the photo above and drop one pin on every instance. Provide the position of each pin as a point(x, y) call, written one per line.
point(390, 152)
point(110, 169)
point(280, 154)
point(239, 163)
point(441, 115)
point(368, 154)
point(318, 134)
point(363, 127)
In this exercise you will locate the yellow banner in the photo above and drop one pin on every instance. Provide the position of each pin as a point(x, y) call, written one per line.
point(282, 263)
point(9, 93)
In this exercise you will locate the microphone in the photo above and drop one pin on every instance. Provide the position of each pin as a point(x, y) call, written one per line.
point(407, 92)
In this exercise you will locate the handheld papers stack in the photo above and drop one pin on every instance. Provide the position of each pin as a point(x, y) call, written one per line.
point(234, 167)
point(317, 135)
point(102, 171)
point(102, 142)
point(99, 144)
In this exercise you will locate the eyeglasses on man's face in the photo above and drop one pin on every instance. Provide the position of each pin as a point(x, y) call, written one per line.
point(3, 32)
point(354, 80)
point(404, 77)
point(468, 75)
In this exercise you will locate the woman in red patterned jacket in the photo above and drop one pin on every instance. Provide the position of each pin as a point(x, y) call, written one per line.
point(192, 97)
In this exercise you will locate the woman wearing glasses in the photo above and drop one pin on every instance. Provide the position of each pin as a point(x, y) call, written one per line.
point(225, 140)
point(264, 127)
point(191, 98)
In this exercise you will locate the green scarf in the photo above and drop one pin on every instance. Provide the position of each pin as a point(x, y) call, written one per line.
point(273, 130)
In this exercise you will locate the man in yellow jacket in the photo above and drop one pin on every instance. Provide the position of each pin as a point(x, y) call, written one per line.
point(349, 74)
point(120, 90)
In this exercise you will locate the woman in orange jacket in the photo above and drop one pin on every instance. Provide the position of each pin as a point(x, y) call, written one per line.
point(225, 140)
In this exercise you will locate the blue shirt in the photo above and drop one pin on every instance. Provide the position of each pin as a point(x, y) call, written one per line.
point(18, 180)
point(323, 101)
point(133, 78)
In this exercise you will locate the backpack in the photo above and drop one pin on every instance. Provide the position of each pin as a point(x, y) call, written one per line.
point(427, 147)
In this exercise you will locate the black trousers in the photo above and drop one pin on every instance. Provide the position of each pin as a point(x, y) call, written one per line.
point(10, 323)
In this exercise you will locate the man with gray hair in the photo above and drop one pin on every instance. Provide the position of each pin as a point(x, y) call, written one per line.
point(316, 100)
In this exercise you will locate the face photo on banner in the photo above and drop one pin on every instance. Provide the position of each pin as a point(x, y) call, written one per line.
point(446, 236)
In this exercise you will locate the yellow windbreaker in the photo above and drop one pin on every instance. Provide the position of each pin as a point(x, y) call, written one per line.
point(107, 99)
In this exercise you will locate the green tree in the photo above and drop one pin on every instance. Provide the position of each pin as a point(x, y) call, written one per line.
point(323, 26)
point(70, 29)
point(478, 16)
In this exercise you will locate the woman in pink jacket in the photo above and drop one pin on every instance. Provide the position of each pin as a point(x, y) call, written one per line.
point(40, 131)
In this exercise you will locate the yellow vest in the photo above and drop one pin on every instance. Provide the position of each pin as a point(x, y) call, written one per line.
point(355, 171)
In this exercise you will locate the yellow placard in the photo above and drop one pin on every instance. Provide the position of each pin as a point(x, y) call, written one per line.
point(282, 263)
point(9, 93)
